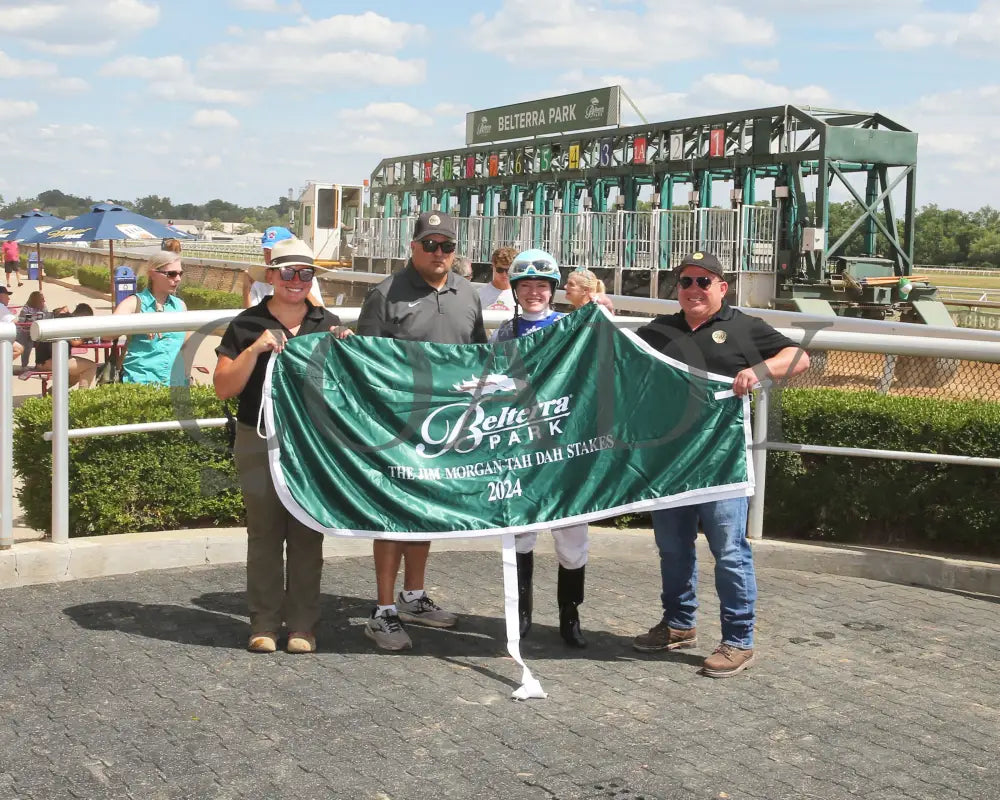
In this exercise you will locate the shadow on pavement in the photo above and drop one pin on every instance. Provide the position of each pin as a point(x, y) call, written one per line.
point(218, 619)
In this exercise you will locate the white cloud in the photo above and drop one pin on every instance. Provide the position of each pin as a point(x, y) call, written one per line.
point(162, 68)
point(203, 162)
point(12, 68)
point(67, 86)
point(17, 109)
point(976, 101)
point(762, 65)
point(954, 144)
point(741, 89)
point(977, 32)
point(575, 32)
point(77, 27)
point(355, 31)
point(170, 78)
point(291, 67)
point(377, 113)
point(214, 118)
point(267, 6)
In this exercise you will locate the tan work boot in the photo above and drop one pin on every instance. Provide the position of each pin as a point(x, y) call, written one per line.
point(662, 637)
point(727, 660)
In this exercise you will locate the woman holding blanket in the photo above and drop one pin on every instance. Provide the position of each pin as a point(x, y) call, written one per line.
point(276, 593)
point(534, 276)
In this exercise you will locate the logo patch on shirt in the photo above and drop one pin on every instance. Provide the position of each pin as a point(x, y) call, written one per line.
point(719, 337)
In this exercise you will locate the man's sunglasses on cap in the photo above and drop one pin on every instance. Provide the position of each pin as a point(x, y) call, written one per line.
point(430, 246)
point(703, 281)
point(288, 273)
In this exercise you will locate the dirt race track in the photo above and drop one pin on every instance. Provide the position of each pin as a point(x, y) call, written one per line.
point(913, 376)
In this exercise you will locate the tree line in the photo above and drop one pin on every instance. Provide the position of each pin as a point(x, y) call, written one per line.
point(215, 212)
point(943, 236)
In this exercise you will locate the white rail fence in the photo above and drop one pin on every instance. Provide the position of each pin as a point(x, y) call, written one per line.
point(814, 333)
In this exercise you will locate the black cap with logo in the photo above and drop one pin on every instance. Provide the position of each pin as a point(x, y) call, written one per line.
point(431, 222)
point(703, 260)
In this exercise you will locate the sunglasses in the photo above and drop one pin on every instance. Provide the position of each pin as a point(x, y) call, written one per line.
point(174, 273)
point(703, 281)
point(431, 246)
point(501, 270)
point(539, 264)
point(288, 273)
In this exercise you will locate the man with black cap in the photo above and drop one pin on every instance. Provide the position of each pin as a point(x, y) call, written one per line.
point(423, 302)
point(710, 335)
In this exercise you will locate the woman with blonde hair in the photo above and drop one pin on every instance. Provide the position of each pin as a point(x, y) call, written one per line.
point(583, 286)
point(155, 357)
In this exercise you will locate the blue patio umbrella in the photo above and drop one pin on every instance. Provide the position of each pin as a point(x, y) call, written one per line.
point(110, 222)
point(26, 226)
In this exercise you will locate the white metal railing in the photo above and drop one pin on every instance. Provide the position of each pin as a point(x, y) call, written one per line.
point(814, 333)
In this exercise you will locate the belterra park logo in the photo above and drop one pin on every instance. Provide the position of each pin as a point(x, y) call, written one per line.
point(484, 126)
point(487, 420)
point(595, 110)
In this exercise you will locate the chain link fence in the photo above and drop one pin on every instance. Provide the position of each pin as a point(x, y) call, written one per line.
point(913, 376)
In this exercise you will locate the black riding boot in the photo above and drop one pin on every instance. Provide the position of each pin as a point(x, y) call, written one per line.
point(525, 570)
point(569, 593)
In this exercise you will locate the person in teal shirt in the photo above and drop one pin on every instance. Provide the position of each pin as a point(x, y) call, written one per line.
point(154, 357)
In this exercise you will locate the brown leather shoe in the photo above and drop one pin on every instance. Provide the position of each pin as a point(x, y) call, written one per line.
point(662, 637)
point(266, 642)
point(726, 661)
point(299, 642)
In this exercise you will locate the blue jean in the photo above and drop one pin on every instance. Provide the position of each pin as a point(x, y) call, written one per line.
point(724, 524)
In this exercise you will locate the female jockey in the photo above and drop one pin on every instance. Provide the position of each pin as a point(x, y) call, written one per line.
point(534, 276)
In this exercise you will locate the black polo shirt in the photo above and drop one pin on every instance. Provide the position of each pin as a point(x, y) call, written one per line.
point(405, 306)
point(729, 342)
point(245, 328)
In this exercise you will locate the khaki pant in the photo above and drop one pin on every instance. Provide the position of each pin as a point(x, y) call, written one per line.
point(275, 594)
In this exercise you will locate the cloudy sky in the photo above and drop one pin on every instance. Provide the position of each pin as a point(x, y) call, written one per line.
point(244, 99)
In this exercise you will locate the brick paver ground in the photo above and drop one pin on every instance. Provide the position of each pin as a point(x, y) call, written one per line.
point(139, 687)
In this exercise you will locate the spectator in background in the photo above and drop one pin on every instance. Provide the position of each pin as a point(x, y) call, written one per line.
point(171, 245)
point(497, 295)
point(82, 371)
point(33, 309)
point(255, 288)
point(11, 261)
point(154, 357)
point(462, 267)
point(583, 286)
point(6, 315)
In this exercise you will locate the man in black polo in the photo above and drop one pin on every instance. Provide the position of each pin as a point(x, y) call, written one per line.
point(424, 302)
point(709, 334)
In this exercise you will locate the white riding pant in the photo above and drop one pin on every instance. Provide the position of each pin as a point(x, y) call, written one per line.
point(571, 544)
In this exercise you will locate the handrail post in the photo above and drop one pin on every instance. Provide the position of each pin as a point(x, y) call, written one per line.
point(60, 441)
point(6, 445)
point(755, 519)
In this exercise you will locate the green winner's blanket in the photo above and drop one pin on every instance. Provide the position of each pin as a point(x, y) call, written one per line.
point(573, 423)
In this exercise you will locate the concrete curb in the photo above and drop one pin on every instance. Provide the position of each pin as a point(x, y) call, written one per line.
point(29, 563)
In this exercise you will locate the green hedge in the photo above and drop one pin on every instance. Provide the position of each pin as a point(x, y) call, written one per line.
point(942, 507)
point(135, 482)
point(59, 268)
point(95, 277)
point(198, 297)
